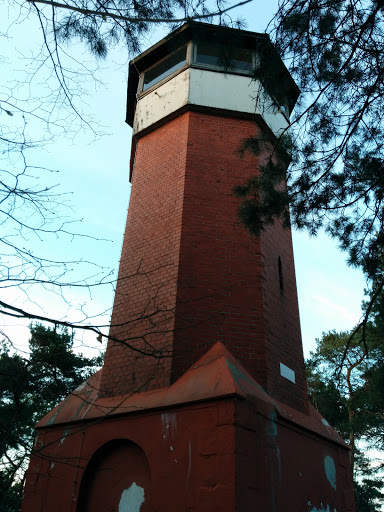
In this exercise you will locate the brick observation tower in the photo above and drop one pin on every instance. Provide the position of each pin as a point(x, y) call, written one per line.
point(201, 404)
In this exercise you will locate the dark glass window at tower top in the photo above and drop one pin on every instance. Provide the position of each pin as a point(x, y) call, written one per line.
point(224, 57)
point(165, 67)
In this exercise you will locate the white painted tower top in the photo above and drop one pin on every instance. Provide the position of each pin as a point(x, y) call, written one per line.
point(214, 69)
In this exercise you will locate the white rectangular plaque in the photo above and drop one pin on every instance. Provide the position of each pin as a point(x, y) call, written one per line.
point(287, 373)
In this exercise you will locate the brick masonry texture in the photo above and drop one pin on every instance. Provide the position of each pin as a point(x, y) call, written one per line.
point(190, 275)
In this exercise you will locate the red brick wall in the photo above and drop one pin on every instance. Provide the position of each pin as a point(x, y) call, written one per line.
point(220, 279)
point(281, 317)
point(229, 285)
point(215, 281)
point(149, 265)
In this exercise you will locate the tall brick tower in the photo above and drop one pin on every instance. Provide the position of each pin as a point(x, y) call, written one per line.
point(201, 404)
point(201, 277)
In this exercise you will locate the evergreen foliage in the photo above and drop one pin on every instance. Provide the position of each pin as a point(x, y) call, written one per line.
point(103, 25)
point(345, 383)
point(99, 31)
point(29, 389)
point(334, 51)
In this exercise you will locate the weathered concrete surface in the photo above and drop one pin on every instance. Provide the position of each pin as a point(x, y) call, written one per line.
point(209, 89)
point(213, 441)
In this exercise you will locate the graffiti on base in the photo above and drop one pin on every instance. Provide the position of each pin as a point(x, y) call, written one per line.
point(330, 471)
point(323, 509)
point(169, 425)
point(131, 499)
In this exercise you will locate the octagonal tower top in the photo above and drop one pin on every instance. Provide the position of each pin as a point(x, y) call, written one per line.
point(210, 67)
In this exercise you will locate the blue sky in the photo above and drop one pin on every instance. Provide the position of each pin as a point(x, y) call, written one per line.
point(95, 175)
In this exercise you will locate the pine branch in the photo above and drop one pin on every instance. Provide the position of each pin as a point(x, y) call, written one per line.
point(106, 14)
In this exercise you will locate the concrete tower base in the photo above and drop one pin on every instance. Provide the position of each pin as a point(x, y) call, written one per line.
point(213, 441)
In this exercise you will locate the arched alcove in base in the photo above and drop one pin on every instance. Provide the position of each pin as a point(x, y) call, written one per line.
point(117, 479)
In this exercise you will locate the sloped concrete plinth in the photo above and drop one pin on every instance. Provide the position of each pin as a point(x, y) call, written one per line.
point(213, 441)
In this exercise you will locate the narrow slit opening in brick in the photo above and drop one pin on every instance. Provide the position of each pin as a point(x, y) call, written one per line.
point(281, 281)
